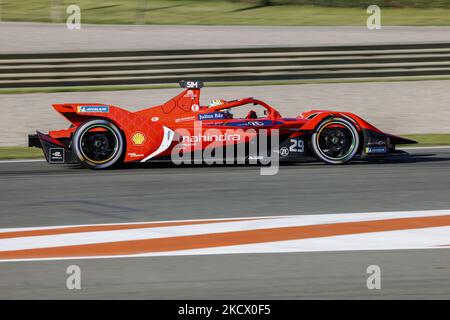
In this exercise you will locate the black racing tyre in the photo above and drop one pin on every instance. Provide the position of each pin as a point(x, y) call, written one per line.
point(98, 144)
point(335, 141)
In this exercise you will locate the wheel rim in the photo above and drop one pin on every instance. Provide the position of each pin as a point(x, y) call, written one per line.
point(336, 141)
point(98, 144)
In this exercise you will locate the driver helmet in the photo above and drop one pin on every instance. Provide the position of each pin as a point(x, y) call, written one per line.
point(216, 102)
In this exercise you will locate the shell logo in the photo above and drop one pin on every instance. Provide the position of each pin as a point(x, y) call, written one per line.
point(138, 138)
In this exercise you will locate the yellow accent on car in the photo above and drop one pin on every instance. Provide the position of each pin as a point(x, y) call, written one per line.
point(138, 138)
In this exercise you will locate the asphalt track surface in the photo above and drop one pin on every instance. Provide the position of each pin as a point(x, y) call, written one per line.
point(37, 194)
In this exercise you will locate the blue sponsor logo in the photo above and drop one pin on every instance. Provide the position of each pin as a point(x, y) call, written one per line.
point(100, 109)
point(211, 116)
point(376, 150)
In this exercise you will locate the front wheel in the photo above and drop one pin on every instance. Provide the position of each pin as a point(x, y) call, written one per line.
point(98, 144)
point(335, 141)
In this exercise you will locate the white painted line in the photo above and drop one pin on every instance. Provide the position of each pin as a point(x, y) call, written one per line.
point(307, 219)
point(22, 161)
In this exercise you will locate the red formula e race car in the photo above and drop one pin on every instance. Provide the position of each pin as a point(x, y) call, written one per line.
point(102, 136)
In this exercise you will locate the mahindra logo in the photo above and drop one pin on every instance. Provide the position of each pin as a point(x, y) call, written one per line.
point(212, 137)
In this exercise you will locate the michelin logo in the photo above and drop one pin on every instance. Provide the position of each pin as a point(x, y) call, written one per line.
point(98, 109)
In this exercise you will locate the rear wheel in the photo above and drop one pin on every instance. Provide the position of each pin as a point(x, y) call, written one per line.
point(98, 144)
point(335, 141)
